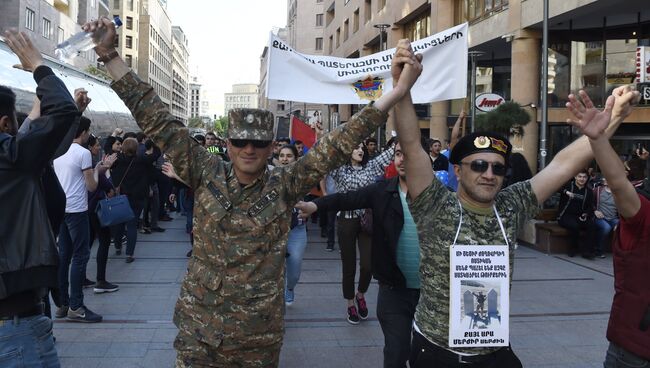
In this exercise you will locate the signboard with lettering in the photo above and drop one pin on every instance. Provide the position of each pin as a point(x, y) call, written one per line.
point(646, 93)
point(488, 101)
point(643, 64)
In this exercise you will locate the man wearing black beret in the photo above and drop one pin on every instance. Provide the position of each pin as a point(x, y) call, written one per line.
point(482, 217)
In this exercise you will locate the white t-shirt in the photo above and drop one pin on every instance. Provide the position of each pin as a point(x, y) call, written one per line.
point(69, 169)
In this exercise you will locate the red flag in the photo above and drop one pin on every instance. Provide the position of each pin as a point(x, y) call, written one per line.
point(302, 132)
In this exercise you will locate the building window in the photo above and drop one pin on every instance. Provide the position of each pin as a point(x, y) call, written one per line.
point(130, 4)
point(116, 44)
point(419, 27)
point(475, 9)
point(368, 10)
point(129, 22)
point(29, 19)
point(331, 46)
point(116, 4)
point(129, 60)
point(346, 27)
point(319, 20)
point(381, 4)
point(355, 21)
point(338, 37)
point(47, 28)
point(129, 42)
point(60, 35)
point(319, 43)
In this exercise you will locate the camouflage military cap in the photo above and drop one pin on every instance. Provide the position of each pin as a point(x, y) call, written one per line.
point(254, 124)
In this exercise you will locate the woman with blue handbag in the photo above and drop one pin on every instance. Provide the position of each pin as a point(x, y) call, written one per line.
point(128, 172)
point(102, 233)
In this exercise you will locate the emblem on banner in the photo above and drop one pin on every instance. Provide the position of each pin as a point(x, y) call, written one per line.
point(369, 88)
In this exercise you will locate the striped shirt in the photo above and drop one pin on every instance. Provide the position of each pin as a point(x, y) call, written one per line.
point(349, 178)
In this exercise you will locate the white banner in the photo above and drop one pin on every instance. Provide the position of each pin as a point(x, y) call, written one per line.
point(293, 76)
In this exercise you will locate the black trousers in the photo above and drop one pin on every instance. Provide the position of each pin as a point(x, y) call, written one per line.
point(103, 235)
point(331, 228)
point(582, 245)
point(424, 354)
point(349, 232)
point(395, 310)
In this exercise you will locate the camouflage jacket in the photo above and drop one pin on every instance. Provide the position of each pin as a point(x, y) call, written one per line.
point(436, 213)
point(233, 292)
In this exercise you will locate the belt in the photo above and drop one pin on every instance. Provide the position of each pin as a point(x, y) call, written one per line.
point(34, 310)
point(450, 355)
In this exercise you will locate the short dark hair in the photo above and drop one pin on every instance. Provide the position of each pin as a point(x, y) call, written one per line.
point(148, 144)
point(84, 126)
point(7, 102)
point(92, 140)
point(285, 140)
point(292, 148)
point(371, 139)
point(212, 134)
point(434, 141)
point(297, 142)
point(130, 135)
point(140, 136)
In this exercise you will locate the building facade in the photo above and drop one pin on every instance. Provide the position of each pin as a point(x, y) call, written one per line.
point(155, 48)
point(593, 46)
point(128, 38)
point(195, 98)
point(242, 96)
point(180, 75)
point(50, 22)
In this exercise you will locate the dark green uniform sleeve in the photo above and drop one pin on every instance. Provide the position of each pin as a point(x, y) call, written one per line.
point(330, 152)
point(173, 138)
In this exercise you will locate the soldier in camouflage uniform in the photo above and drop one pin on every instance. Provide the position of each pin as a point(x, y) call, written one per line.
point(480, 161)
point(230, 310)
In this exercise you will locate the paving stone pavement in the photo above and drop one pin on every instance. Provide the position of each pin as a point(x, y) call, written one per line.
point(559, 311)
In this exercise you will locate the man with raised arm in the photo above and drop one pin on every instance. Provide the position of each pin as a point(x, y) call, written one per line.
point(478, 216)
point(29, 255)
point(628, 331)
point(231, 304)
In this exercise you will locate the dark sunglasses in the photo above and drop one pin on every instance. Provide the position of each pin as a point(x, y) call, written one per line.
point(241, 143)
point(481, 166)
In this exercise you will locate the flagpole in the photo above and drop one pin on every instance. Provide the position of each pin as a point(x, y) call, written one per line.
point(290, 119)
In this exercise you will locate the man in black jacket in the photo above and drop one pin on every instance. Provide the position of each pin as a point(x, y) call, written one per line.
point(28, 248)
point(395, 254)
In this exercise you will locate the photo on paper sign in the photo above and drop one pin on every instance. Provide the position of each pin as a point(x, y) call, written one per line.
point(480, 306)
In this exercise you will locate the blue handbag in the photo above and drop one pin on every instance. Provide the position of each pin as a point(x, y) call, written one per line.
point(115, 210)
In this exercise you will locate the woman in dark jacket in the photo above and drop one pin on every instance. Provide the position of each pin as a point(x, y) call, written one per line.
point(129, 178)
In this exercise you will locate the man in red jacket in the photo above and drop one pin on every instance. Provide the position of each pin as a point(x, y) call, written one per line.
point(629, 323)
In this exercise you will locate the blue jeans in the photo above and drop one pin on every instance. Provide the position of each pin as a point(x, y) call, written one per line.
point(74, 252)
point(27, 342)
point(618, 357)
point(603, 228)
point(296, 244)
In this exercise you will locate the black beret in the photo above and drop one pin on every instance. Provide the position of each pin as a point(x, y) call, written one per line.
point(478, 142)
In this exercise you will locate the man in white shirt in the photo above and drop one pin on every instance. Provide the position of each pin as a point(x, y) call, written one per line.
point(76, 174)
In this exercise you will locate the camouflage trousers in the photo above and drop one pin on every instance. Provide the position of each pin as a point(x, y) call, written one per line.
point(192, 353)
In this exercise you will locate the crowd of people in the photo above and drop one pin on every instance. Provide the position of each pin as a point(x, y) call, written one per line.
point(247, 198)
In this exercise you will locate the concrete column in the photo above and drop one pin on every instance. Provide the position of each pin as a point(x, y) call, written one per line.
point(438, 123)
point(442, 17)
point(526, 59)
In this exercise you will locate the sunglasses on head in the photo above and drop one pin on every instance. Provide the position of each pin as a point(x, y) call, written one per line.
point(481, 166)
point(241, 143)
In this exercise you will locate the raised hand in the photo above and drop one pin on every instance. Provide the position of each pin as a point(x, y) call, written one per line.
point(169, 171)
point(306, 209)
point(81, 99)
point(29, 56)
point(403, 56)
point(587, 117)
point(625, 97)
point(109, 160)
point(103, 34)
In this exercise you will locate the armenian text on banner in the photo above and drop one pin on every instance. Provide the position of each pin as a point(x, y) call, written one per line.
point(294, 76)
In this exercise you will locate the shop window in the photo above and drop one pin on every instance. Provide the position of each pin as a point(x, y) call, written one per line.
point(587, 69)
point(419, 27)
point(621, 63)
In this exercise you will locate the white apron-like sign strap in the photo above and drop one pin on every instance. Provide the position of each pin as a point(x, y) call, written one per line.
point(293, 76)
point(479, 295)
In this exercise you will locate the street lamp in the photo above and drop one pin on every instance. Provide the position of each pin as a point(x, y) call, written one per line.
point(542, 133)
point(382, 28)
point(473, 55)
